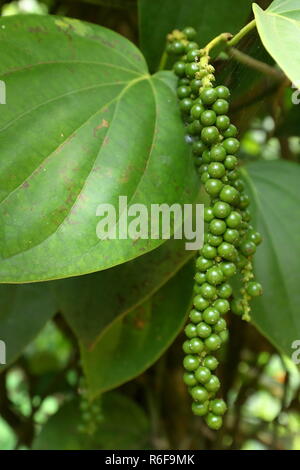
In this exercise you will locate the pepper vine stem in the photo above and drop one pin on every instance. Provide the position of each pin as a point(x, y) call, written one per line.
point(241, 33)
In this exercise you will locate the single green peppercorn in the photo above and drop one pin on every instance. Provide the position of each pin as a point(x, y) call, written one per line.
point(211, 362)
point(225, 290)
point(190, 46)
point(254, 289)
point(213, 384)
point(190, 33)
point(231, 235)
point(199, 393)
point(208, 214)
point(196, 345)
point(225, 250)
point(208, 96)
point(203, 330)
point(192, 55)
point(218, 406)
point(211, 315)
point(178, 47)
point(190, 330)
point(222, 123)
point(254, 237)
point(195, 127)
point(220, 325)
point(213, 187)
point(234, 220)
point(186, 347)
point(231, 145)
point(229, 194)
point(222, 305)
point(200, 303)
point(213, 421)
point(220, 106)
point(184, 91)
point(196, 111)
point(216, 170)
point(231, 131)
point(202, 264)
point(214, 240)
point(217, 153)
point(230, 162)
point(195, 84)
point(200, 278)
point(208, 117)
point(189, 379)
point(209, 251)
point(214, 275)
point(210, 134)
point(222, 92)
point(208, 291)
point(191, 363)
point(213, 342)
point(247, 247)
point(228, 269)
point(183, 81)
point(191, 69)
point(221, 209)
point(186, 104)
point(195, 316)
point(179, 69)
point(200, 409)
point(202, 374)
point(217, 227)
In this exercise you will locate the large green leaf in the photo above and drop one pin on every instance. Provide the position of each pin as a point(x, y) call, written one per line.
point(133, 342)
point(84, 123)
point(90, 303)
point(24, 310)
point(274, 191)
point(279, 29)
point(124, 426)
point(209, 19)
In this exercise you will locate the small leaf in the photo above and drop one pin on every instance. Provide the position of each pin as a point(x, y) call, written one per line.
point(135, 341)
point(90, 303)
point(124, 426)
point(24, 310)
point(279, 29)
point(274, 191)
point(92, 126)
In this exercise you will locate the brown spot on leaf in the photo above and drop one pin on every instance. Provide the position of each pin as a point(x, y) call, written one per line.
point(104, 123)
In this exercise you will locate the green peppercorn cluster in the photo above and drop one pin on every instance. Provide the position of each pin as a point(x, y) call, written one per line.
point(91, 413)
point(230, 241)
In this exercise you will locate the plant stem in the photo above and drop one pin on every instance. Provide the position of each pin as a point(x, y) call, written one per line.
point(242, 33)
point(255, 64)
point(163, 60)
point(214, 42)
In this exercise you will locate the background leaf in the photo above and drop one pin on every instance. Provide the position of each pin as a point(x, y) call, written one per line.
point(279, 29)
point(105, 128)
point(124, 426)
point(90, 303)
point(24, 310)
point(159, 17)
point(135, 341)
point(275, 200)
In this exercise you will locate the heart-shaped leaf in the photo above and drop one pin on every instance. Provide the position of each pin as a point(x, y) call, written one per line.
point(84, 124)
point(275, 201)
point(279, 29)
point(135, 341)
point(90, 303)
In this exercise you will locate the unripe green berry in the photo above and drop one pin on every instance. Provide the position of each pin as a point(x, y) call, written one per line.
point(191, 363)
point(202, 374)
point(203, 330)
point(211, 362)
point(199, 393)
point(211, 315)
point(200, 409)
